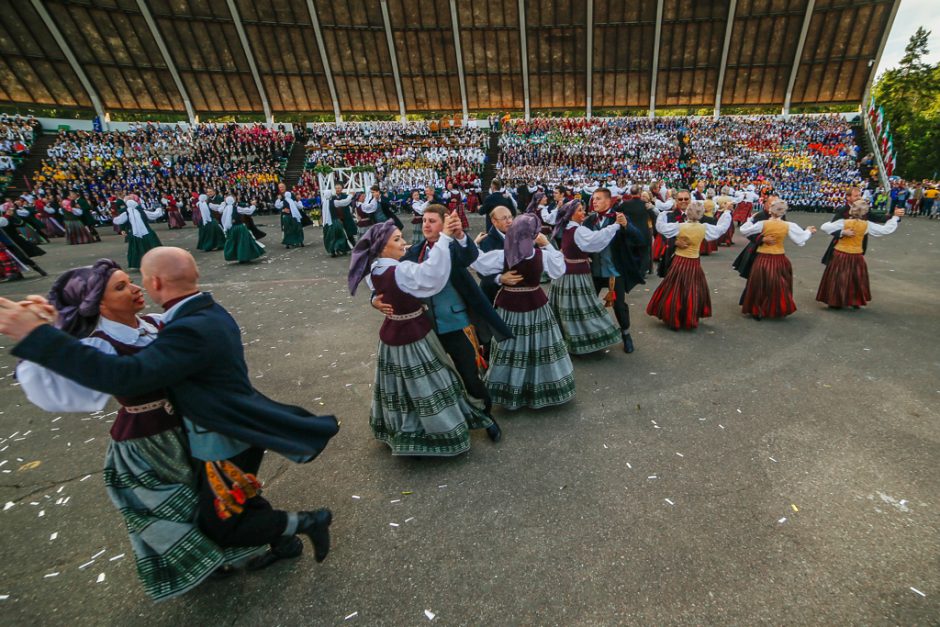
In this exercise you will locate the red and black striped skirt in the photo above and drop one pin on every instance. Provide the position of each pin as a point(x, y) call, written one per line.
point(845, 281)
point(769, 291)
point(682, 297)
point(728, 238)
point(659, 247)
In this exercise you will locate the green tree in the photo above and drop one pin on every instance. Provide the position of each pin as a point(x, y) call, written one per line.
point(910, 95)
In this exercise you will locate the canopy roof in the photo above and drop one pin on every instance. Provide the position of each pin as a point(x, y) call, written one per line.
point(390, 56)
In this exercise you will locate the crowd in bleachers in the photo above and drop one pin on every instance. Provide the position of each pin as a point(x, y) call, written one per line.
point(402, 154)
point(161, 161)
point(17, 134)
point(807, 160)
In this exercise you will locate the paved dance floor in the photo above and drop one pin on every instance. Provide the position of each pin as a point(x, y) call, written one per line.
point(783, 472)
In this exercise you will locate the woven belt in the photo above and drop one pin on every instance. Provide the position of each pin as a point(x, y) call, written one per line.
point(163, 404)
point(521, 289)
point(407, 316)
point(577, 260)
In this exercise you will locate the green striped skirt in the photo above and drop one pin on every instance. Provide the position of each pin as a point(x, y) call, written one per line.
point(417, 234)
point(151, 481)
point(211, 236)
point(419, 405)
point(137, 247)
point(241, 246)
point(533, 369)
point(581, 315)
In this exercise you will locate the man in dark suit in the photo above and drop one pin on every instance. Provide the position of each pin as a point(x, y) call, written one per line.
point(496, 198)
point(199, 360)
point(458, 306)
point(640, 217)
point(615, 267)
point(494, 239)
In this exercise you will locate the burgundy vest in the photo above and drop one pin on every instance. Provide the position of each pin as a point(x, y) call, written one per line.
point(128, 426)
point(527, 295)
point(576, 260)
point(409, 323)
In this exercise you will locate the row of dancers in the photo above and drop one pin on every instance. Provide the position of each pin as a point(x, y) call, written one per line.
point(435, 379)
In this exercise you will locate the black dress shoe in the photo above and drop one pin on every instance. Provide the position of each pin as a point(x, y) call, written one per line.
point(287, 547)
point(627, 343)
point(223, 572)
point(316, 526)
point(494, 432)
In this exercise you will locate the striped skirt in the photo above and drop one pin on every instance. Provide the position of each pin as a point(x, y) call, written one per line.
point(532, 369)
point(659, 246)
point(76, 233)
point(151, 482)
point(417, 235)
point(682, 297)
point(419, 405)
point(845, 281)
point(769, 290)
point(581, 315)
point(9, 269)
point(137, 247)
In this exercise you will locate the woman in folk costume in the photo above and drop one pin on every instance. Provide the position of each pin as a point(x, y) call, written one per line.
point(682, 297)
point(845, 281)
point(675, 213)
point(174, 217)
point(240, 244)
point(292, 223)
point(75, 231)
point(532, 369)
point(11, 269)
point(49, 215)
point(454, 198)
point(417, 206)
point(335, 238)
point(419, 404)
point(769, 289)
point(707, 247)
point(581, 315)
point(726, 206)
point(148, 472)
point(141, 237)
point(211, 235)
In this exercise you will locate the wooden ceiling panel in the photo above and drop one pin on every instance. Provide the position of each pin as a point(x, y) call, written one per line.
point(556, 44)
point(623, 52)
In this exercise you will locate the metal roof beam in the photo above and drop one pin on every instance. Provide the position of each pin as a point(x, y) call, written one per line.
point(724, 57)
point(324, 59)
point(268, 116)
point(525, 58)
point(394, 58)
point(152, 25)
point(455, 25)
point(656, 39)
point(807, 18)
point(589, 87)
point(76, 66)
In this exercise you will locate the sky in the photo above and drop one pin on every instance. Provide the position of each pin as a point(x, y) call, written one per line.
point(911, 14)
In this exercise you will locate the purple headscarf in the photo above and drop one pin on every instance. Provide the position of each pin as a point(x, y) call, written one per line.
point(368, 247)
point(77, 295)
point(534, 203)
point(520, 239)
point(564, 216)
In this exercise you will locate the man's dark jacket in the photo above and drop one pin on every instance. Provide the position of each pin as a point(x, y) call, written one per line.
point(199, 359)
point(481, 313)
point(621, 248)
point(494, 240)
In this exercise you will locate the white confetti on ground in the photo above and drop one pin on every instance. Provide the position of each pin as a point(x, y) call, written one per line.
point(429, 614)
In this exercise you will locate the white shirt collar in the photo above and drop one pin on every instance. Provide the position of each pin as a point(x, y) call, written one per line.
point(171, 312)
point(125, 334)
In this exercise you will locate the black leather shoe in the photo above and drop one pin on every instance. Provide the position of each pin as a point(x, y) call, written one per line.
point(287, 547)
point(627, 343)
point(494, 432)
point(316, 526)
point(223, 572)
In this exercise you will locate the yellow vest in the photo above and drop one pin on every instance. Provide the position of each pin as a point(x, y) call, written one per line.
point(777, 228)
point(694, 232)
point(853, 244)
